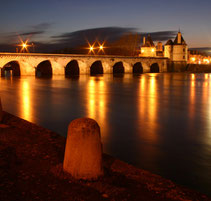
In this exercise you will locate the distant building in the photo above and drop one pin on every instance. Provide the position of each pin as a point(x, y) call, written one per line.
point(176, 51)
point(197, 58)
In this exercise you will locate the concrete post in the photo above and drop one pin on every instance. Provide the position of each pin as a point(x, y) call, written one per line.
point(83, 151)
point(1, 113)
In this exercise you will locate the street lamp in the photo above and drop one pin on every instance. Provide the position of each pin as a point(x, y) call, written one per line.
point(33, 49)
point(91, 48)
point(24, 46)
point(101, 47)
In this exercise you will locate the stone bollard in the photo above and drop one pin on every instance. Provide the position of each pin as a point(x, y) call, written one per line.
point(83, 151)
point(1, 112)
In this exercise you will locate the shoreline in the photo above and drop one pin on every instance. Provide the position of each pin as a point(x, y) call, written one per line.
point(31, 160)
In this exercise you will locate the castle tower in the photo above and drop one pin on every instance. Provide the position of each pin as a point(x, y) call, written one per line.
point(168, 49)
point(180, 49)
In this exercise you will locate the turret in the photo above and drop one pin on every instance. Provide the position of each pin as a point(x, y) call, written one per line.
point(168, 49)
point(144, 40)
point(179, 37)
point(180, 49)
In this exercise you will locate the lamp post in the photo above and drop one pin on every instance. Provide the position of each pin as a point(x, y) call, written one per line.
point(24, 47)
point(33, 49)
point(92, 48)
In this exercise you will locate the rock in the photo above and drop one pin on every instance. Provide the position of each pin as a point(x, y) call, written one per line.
point(83, 151)
point(1, 112)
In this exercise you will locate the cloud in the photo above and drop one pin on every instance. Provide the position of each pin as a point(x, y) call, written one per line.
point(205, 50)
point(161, 35)
point(82, 36)
point(42, 26)
point(32, 33)
point(109, 34)
point(37, 29)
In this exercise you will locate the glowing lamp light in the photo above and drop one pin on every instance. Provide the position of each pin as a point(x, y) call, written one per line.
point(206, 76)
point(142, 51)
point(24, 46)
point(91, 49)
point(101, 47)
point(206, 61)
point(153, 50)
point(193, 59)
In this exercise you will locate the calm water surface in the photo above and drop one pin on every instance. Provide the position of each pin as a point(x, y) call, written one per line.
point(158, 122)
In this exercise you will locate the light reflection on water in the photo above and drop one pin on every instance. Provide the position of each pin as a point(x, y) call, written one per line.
point(159, 122)
point(96, 102)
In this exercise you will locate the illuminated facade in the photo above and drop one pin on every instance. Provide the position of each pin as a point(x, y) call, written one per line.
point(199, 59)
point(177, 50)
point(148, 48)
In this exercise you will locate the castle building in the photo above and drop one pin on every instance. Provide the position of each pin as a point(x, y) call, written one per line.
point(176, 51)
point(148, 48)
point(159, 50)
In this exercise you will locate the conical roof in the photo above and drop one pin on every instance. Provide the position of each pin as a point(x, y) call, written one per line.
point(182, 41)
point(169, 42)
point(149, 42)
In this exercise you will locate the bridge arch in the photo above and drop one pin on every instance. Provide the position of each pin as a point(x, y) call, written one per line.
point(72, 69)
point(11, 68)
point(96, 68)
point(137, 68)
point(154, 68)
point(44, 69)
point(118, 68)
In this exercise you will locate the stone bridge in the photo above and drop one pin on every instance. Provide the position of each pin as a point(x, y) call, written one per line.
point(68, 64)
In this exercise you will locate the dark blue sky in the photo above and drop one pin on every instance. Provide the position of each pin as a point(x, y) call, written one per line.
point(46, 18)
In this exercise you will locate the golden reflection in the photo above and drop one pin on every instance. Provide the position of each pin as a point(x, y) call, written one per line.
point(96, 100)
point(208, 91)
point(26, 101)
point(192, 96)
point(193, 76)
point(148, 107)
point(142, 101)
point(152, 104)
point(192, 80)
point(206, 76)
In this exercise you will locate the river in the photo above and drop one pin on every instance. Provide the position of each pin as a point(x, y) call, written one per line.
point(160, 122)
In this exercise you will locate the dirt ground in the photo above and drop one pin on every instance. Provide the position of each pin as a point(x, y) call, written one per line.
point(31, 160)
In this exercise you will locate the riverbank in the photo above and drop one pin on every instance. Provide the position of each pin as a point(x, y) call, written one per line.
point(31, 160)
point(199, 68)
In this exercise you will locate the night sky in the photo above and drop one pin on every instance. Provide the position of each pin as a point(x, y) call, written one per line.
point(47, 20)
